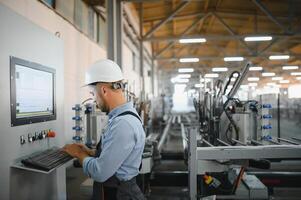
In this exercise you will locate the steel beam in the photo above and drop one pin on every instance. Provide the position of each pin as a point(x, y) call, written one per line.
point(164, 134)
point(214, 37)
point(224, 12)
point(219, 57)
point(115, 30)
point(264, 9)
point(229, 29)
point(187, 30)
point(169, 17)
point(141, 50)
point(249, 152)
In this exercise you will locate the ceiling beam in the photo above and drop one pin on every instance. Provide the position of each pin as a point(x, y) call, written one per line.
point(220, 57)
point(214, 37)
point(168, 18)
point(264, 9)
point(231, 31)
point(224, 12)
point(187, 30)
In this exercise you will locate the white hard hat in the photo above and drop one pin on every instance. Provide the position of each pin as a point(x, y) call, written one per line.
point(104, 70)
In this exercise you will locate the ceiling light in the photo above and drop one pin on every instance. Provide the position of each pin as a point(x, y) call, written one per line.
point(284, 81)
point(298, 78)
point(235, 75)
point(279, 57)
point(182, 80)
point(219, 69)
point(268, 74)
point(184, 76)
point(192, 40)
point(290, 67)
point(184, 60)
point(213, 75)
point(185, 70)
point(296, 73)
point(228, 59)
point(253, 79)
point(199, 85)
point(278, 78)
point(255, 68)
point(271, 84)
point(258, 38)
point(253, 84)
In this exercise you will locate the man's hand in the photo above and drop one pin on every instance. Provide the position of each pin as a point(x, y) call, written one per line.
point(76, 151)
point(89, 151)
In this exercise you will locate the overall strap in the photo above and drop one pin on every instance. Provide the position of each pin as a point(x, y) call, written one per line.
point(129, 113)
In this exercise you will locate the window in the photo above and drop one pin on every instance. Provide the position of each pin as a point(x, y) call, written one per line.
point(81, 16)
point(66, 9)
point(101, 31)
point(49, 3)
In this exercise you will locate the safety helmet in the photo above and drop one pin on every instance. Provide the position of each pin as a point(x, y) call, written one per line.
point(104, 70)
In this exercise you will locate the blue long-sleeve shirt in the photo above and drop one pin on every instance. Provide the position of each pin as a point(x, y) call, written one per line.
point(122, 147)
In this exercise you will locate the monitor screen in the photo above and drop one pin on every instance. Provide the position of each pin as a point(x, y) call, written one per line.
point(32, 92)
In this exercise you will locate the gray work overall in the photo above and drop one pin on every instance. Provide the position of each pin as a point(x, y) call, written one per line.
point(113, 188)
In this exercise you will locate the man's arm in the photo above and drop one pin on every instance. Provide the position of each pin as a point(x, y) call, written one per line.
point(119, 144)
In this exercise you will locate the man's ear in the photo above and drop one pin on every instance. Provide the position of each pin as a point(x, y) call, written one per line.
point(104, 90)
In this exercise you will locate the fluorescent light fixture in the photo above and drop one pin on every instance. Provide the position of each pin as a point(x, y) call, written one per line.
point(213, 75)
point(229, 59)
point(296, 73)
point(235, 75)
point(192, 40)
point(258, 38)
point(279, 57)
point(271, 84)
point(219, 69)
point(185, 60)
point(182, 80)
point(199, 85)
point(268, 74)
point(184, 76)
point(284, 81)
point(278, 78)
point(287, 67)
point(185, 70)
point(253, 79)
point(252, 84)
point(255, 69)
point(298, 78)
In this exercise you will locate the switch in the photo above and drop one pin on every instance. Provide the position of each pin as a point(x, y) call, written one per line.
point(40, 136)
point(51, 134)
point(22, 140)
point(30, 139)
point(44, 134)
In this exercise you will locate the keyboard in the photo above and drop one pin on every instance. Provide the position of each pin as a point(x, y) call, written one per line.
point(47, 160)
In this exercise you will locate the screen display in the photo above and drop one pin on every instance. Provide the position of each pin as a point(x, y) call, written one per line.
point(34, 92)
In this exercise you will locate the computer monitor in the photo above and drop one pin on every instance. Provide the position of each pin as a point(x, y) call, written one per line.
point(32, 92)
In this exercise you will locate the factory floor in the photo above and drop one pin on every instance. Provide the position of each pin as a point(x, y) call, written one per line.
point(75, 178)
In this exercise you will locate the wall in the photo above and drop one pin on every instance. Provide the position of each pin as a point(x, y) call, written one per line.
point(21, 38)
point(76, 53)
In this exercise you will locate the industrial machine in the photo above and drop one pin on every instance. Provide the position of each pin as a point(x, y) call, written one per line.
point(231, 140)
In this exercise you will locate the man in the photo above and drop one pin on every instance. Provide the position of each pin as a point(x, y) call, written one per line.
point(114, 166)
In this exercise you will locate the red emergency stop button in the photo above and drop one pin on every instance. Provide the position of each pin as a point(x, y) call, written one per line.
point(51, 134)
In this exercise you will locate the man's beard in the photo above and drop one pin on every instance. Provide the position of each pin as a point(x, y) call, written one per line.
point(103, 107)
